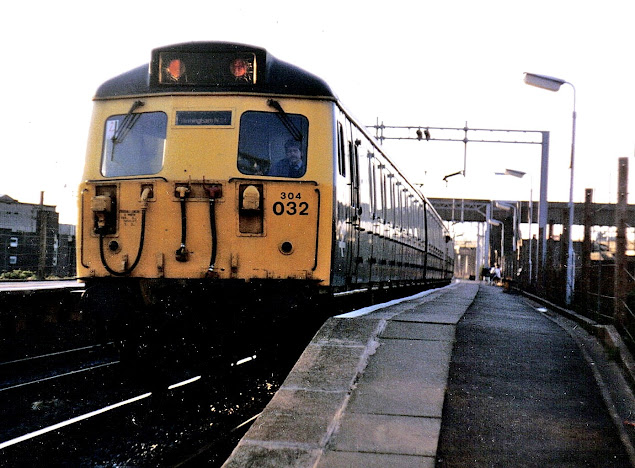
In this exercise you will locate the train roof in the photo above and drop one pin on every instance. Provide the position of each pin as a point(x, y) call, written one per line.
point(271, 76)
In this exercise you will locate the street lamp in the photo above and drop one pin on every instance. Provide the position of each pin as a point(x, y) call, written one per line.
point(553, 84)
point(520, 175)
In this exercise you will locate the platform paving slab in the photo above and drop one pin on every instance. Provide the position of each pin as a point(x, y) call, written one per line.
point(421, 361)
point(325, 367)
point(344, 331)
point(407, 330)
point(374, 460)
point(392, 385)
point(386, 399)
point(380, 433)
point(434, 313)
point(262, 455)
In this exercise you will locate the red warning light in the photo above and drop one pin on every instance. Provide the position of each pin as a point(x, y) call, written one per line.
point(175, 69)
point(239, 68)
point(204, 68)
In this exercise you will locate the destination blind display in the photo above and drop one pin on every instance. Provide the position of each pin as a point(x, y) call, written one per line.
point(204, 118)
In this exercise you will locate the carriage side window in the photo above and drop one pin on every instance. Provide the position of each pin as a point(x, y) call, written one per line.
point(382, 182)
point(341, 150)
point(399, 215)
point(134, 144)
point(272, 144)
point(372, 185)
point(354, 167)
point(393, 201)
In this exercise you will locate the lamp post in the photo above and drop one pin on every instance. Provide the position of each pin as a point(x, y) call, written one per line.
point(553, 84)
point(506, 207)
point(530, 214)
point(496, 222)
point(510, 267)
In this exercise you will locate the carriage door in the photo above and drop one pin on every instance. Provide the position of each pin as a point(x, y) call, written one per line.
point(425, 244)
point(346, 252)
point(356, 212)
point(354, 208)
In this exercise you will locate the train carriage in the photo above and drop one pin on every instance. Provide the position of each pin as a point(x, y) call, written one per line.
point(219, 166)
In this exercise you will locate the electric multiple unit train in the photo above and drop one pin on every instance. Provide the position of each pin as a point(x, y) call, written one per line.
point(219, 168)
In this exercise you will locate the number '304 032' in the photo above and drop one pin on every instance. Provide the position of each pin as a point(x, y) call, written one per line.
point(290, 206)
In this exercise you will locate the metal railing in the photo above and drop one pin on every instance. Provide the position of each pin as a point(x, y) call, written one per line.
point(594, 296)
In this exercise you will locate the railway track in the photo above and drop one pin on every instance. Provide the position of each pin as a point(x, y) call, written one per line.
point(95, 413)
point(33, 370)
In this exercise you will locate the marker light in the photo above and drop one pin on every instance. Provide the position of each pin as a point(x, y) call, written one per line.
point(175, 69)
point(251, 198)
point(204, 68)
point(239, 68)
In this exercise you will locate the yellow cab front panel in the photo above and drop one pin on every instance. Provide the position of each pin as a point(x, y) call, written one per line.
point(193, 186)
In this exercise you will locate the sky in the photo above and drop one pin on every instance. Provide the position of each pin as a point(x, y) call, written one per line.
point(401, 63)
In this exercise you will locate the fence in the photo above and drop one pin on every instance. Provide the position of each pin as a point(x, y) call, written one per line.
point(596, 295)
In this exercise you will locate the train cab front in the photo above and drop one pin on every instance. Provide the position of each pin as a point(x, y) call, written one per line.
point(203, 196)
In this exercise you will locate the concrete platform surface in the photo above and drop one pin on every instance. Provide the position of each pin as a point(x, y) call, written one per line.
point(422, 383)
point(367, 391)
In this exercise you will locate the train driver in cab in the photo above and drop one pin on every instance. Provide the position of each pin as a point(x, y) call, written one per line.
point(292, 165)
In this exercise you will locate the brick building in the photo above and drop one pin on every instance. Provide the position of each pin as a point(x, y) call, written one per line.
point(31, 238)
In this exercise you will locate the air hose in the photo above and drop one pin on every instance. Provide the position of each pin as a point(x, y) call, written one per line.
point(214, 191)
point(127, 271)
point(181, 253)
point(212, 222)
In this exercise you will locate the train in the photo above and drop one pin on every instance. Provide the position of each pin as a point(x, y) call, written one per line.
point(219, 171)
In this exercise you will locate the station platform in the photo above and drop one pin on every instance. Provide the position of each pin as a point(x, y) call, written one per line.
point(32, 286)
point(467, 375)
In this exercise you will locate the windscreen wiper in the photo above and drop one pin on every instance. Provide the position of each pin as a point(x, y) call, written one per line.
point(127, 123)
point(286, 121)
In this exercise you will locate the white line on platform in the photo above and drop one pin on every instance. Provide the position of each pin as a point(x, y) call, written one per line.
point(373, 308)
point(39, 285)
